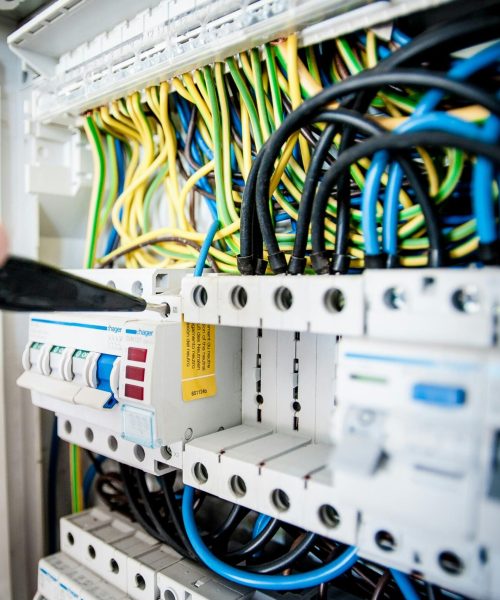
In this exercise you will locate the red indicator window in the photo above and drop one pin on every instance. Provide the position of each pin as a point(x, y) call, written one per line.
point(135, 373)
point(134, 391)
point(137, 354)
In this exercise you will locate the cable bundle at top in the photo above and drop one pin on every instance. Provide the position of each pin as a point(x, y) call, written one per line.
point(358, 152)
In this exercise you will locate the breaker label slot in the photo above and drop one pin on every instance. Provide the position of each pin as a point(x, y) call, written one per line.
point(198, 361)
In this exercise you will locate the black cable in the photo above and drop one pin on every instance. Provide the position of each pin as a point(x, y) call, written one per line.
point(219, 537)
point(153, 516)
point(447, 38)
point(308, 111)
point(130, 490)
point(94, 461)
point(255, 544)
point(166, 482)
point(286, 560)
point(436, 240)
point(250, 235)
point(388, 142)
point(297, 263)
point(366, 126)
point(381, 583)
point(110, 489)
point(52, 487)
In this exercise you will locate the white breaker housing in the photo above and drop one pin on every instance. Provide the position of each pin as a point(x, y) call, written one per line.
point(364, 408)
point(104, 556)
point(115, 380)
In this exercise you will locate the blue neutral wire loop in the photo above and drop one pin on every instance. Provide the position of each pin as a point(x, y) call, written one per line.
point(205, 248)
point(254, 580)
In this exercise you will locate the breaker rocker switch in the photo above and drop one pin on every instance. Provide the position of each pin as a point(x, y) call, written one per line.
point(85, 367)
point(60, 361)
point(36, 358)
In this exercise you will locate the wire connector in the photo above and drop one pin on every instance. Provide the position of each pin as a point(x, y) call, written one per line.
point(297, 265)
point(489, 253)
point(375, 261)
point(278, 263)
point(435, 259)
point(260, 266)
point(340, 264)
point(321, 262)
point(393, 261)
point(245, 264)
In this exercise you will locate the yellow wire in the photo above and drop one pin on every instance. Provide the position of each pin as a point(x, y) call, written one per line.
point(371, 49)
point(181, 90)
point(430, 170)
point(95, 187)
point(193, 180)
point(295, 94)
point(226, 142)
point(199, 101)
point(246, 139)
point(197, 76)
point(172, 153)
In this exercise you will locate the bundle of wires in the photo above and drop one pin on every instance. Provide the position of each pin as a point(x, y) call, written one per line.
point(277, 145)
point(353, 153)
point(248, 548)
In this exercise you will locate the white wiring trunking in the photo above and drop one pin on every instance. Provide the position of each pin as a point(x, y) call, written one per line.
point(84, 62)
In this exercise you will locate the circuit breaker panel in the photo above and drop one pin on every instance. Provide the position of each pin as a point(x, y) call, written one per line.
point(358, 438)
point(307, 192)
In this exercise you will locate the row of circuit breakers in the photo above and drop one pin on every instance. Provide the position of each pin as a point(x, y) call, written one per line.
point(366, 408)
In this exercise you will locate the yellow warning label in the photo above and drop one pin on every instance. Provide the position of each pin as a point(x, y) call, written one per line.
point(198, 361)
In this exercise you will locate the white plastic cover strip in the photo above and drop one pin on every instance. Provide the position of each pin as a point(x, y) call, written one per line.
point(173, 37)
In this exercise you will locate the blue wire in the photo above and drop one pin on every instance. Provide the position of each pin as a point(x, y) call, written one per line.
point(87, 483)
point(182, 110)
point(234, 164)
point(282, 217)
point(263, 582)
point(482, 197)
point(399, 37)
point(207, 242)
point(404, 584)
point(433, 121)
point(325, 82)
point(113, 234)
point(260, 522)
point(89, 478)
point(184, 115)
point(382, 51)
point(236, 119)
point(203, 145)
point(369, 209)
